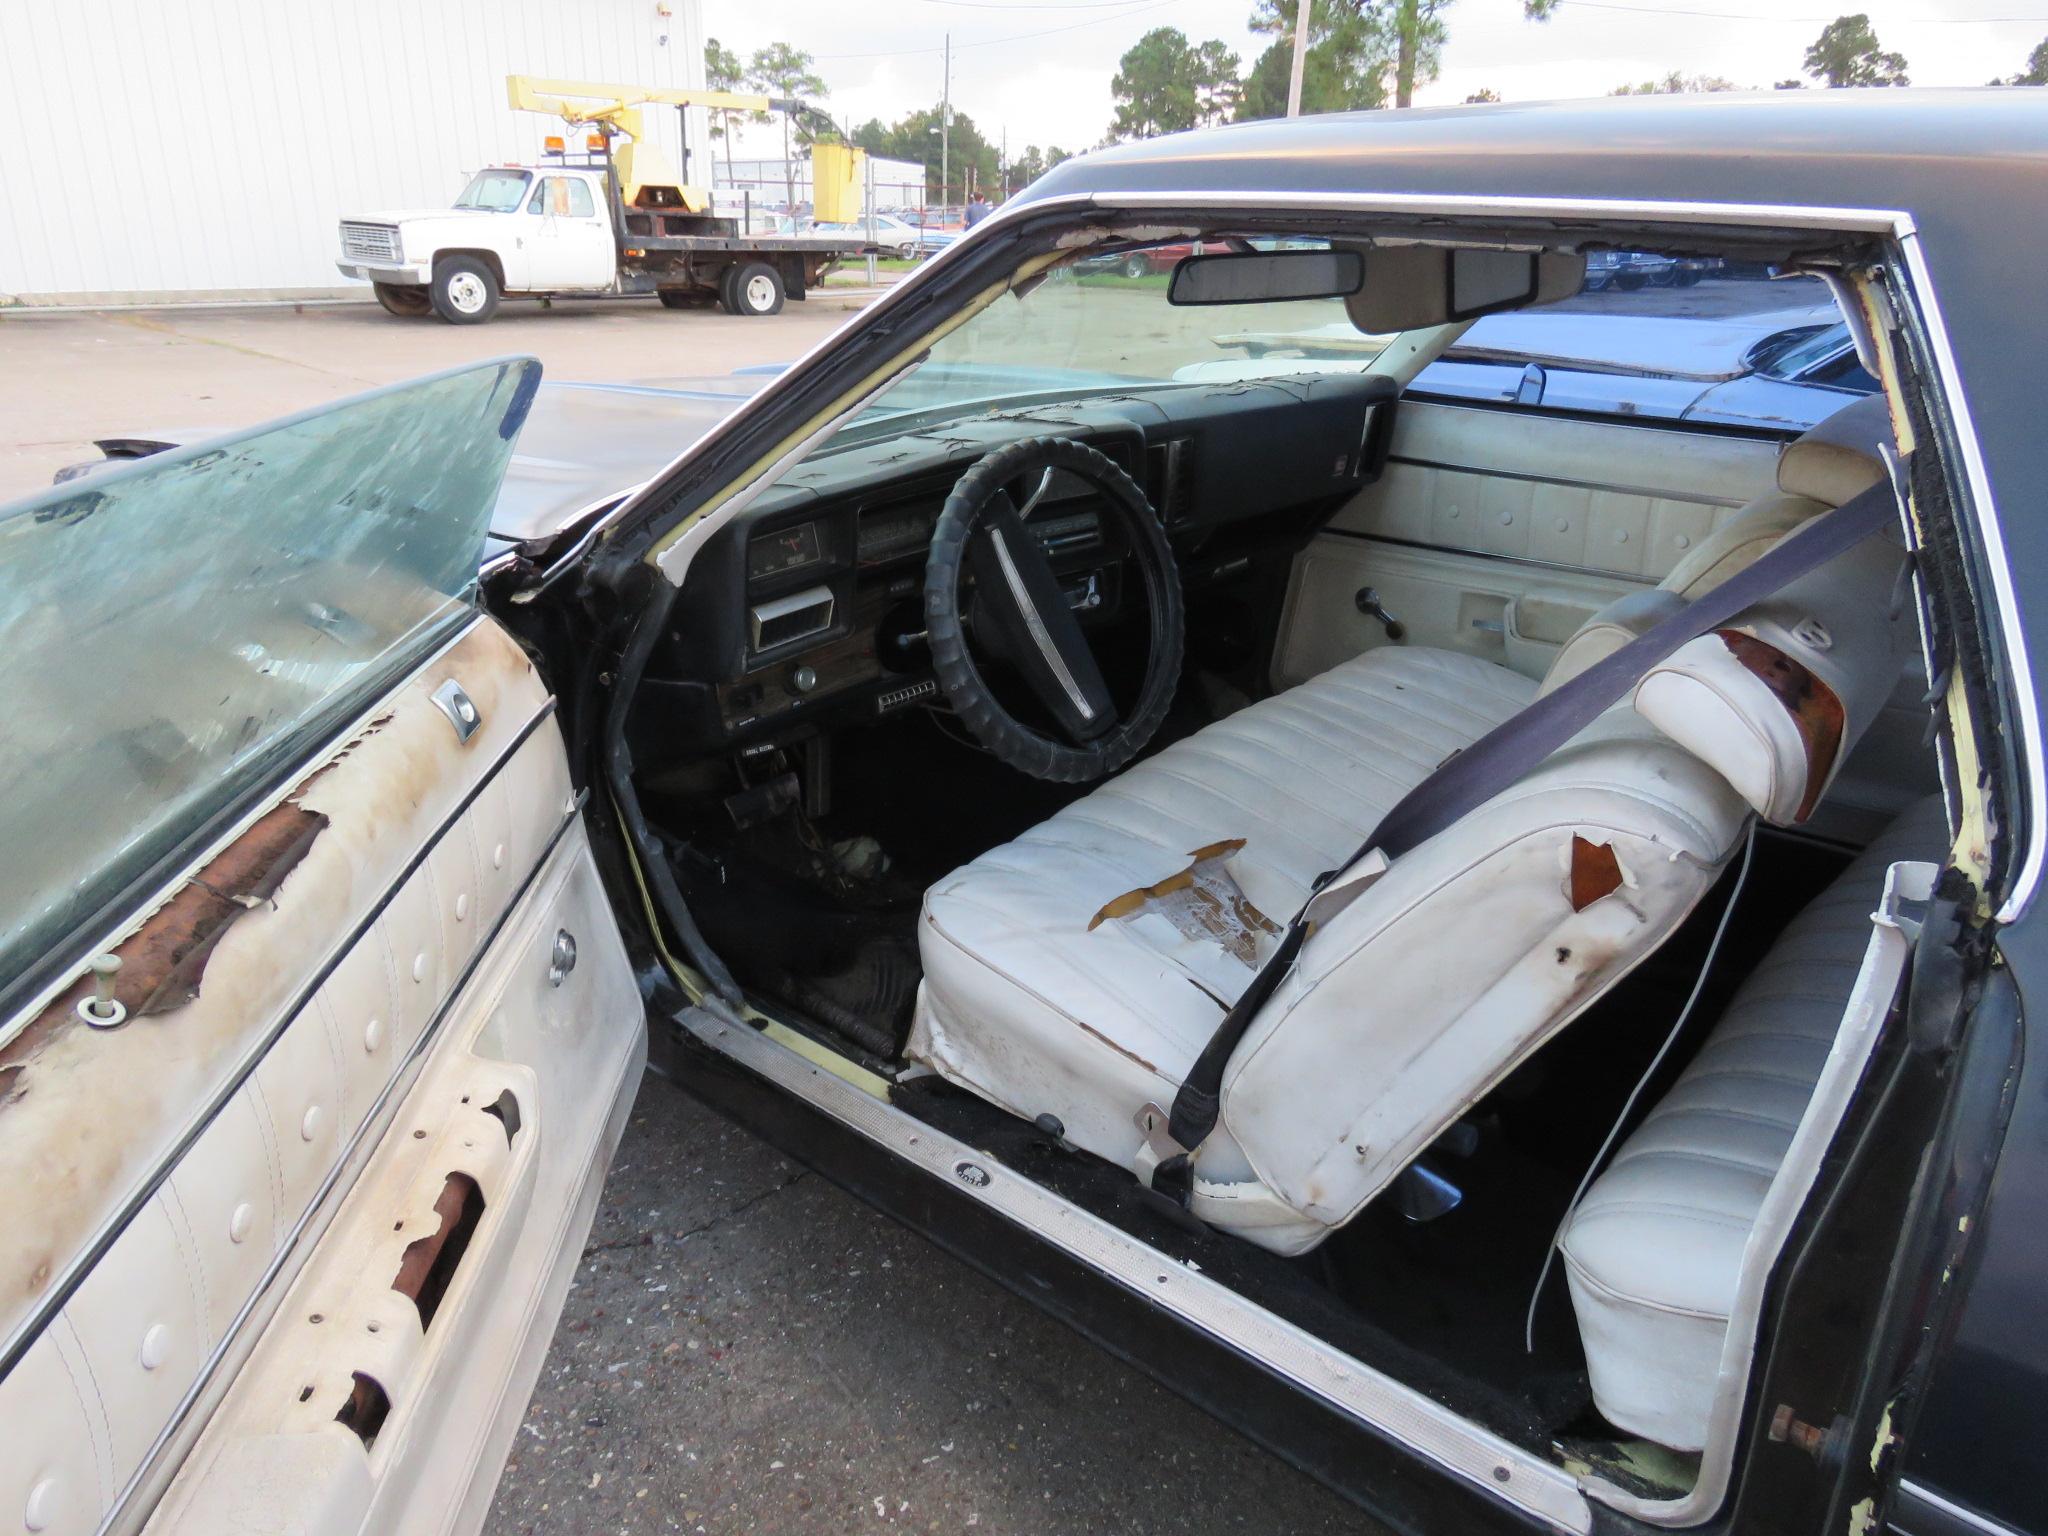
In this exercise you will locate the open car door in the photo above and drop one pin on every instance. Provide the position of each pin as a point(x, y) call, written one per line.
point(318, 1031)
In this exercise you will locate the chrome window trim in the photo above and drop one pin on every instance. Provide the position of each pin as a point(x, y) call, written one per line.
point(1948, 1509)
point(1425, 1427)
point(80, 1264)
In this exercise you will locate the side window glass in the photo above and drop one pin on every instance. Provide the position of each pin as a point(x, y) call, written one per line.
point(578, 200)
point(1671, 338)
point(541, 199)
point(249, 597)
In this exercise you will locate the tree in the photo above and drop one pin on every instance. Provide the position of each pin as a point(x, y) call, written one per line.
point(1846, 53)
point(1346, 66)
point(1360, 52)
point(2036, 72)
point(780, 70)
point(724, 72)
point(1676, 84)
point(1484, 94)
point(1217, 88)
point(1163, 84)
point(973, 160)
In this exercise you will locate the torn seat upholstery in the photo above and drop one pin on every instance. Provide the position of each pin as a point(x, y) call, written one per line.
point(1079, 970)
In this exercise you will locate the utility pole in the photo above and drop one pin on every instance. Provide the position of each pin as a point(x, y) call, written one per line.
point(946, 128)
point(1300, 57)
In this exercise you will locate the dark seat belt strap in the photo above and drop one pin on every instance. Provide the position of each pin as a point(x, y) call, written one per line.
point(1499, 759)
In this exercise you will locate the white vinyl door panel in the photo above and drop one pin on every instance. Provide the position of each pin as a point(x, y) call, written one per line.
point(55, 1471)
point(1497, 532)
point(387, 1018)
point(1494, 609)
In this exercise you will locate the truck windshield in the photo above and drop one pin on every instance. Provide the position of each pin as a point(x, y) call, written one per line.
point(494, 191)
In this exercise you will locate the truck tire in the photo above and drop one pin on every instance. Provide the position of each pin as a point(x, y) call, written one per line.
point(755, 288)
point(464, 291)
point(403, 300)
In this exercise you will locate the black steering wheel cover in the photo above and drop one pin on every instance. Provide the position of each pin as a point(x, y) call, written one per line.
point(1022, 748)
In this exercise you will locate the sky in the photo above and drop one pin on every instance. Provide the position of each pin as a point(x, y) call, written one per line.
point(1041, 68)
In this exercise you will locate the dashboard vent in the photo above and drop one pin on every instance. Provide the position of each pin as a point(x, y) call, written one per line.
point(1168, 478)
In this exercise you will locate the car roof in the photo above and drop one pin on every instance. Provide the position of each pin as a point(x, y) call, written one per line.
point(1967, 168)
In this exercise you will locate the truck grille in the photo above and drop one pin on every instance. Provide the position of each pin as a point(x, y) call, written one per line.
point(369, 242)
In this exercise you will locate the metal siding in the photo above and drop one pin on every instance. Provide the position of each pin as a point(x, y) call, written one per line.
point(208, 147)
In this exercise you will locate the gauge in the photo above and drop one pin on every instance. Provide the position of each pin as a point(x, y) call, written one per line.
point(886, 532)
point(787, 549)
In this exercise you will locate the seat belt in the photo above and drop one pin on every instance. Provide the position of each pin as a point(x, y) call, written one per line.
point(1493, 763)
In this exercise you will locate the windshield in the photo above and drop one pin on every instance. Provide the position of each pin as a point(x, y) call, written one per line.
point(494, 191)
point(1102, 323)
point(181, 630)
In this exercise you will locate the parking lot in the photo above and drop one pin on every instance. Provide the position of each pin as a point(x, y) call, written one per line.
point(75, 376)
point(746, 1348)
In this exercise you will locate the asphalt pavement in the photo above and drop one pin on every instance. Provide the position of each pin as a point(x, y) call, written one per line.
point(747, 1349)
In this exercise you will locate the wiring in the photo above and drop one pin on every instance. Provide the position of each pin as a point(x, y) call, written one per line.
point(1678, 1027)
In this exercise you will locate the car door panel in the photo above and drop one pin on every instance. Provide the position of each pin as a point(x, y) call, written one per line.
point(55, 1465)
point(1477, 506)
point(450, 1383)
point(162, 1182)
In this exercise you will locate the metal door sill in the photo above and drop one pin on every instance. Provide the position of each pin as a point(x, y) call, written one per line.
point(1506, 1471)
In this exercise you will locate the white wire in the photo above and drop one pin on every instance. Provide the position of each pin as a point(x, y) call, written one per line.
point(1656, 1061)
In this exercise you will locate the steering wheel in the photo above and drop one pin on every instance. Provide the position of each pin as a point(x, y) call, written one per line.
point(1018, 614)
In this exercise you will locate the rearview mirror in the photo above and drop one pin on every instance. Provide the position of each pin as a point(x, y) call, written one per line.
point(1265, 277)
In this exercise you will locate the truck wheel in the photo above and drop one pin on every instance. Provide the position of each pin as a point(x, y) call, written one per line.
point(464, 292)
point(403, 300)
point(1137, 266)
point(755, 289)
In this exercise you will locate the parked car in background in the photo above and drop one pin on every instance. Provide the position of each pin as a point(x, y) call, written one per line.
point(894, 235)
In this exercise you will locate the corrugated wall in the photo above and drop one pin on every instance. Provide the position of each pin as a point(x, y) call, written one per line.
point(206, 148)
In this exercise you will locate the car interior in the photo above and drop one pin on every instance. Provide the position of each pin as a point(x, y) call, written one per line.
point(995, 744)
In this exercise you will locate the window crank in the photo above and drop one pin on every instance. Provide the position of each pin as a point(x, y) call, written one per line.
point(1369, 603)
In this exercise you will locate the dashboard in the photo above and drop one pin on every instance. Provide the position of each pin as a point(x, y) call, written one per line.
point(807, 609)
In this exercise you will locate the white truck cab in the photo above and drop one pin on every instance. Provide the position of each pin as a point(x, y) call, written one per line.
point(514, 230)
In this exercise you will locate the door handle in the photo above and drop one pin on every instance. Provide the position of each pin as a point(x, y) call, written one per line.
point(1369, 604)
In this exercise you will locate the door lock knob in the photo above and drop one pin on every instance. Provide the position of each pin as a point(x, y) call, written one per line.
point(1369, 604)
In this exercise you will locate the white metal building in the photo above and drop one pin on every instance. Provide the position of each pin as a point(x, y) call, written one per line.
point(162, 150)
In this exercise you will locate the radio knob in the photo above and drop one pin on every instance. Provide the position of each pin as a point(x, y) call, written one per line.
point(803, 679)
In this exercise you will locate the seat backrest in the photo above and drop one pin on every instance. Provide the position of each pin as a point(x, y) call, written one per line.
point(1472, 950)
point(1817, 471)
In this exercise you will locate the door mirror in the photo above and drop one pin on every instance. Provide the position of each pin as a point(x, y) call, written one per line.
point(1265, 277)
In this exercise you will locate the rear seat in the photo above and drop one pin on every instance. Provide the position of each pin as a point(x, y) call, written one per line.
point(1654, 1250)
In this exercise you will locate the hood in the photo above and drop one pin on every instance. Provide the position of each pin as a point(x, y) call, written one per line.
point(414, 215)
point(585, 444)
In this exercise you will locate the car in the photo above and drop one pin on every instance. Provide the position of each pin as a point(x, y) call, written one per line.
point(892, 234)
point(1485, 945)
point(1779, 369)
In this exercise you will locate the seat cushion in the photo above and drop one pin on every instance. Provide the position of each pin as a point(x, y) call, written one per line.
point(1654, 1251)
point(1090, 1025)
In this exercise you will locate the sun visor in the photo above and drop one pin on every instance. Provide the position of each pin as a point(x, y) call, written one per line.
point(1408, 287)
